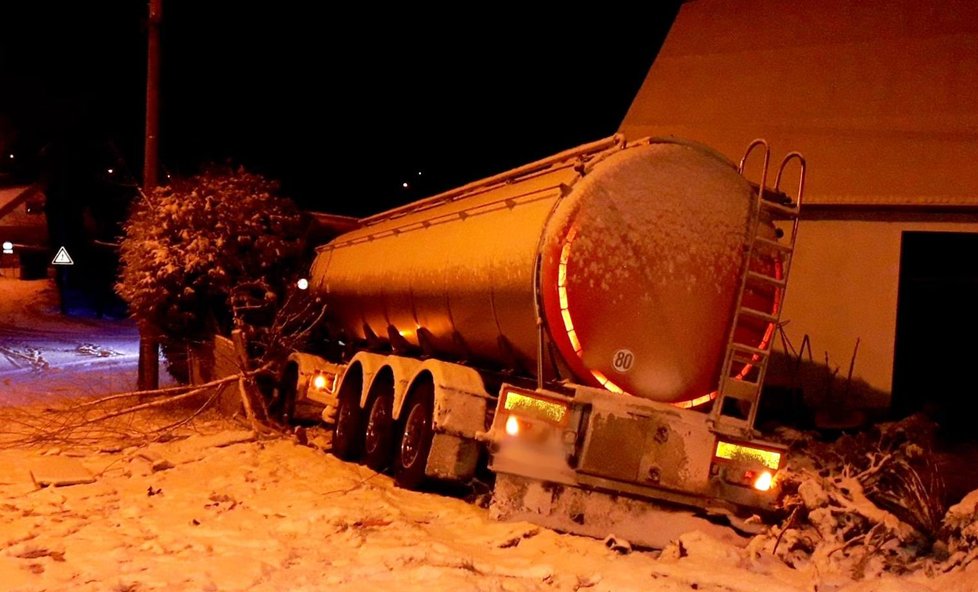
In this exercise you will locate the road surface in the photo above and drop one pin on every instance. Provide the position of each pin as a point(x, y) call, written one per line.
point(45, 355)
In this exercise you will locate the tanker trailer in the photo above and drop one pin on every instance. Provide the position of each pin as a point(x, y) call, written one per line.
point(600, 320)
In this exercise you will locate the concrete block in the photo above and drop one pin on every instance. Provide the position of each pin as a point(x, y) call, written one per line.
point(59, 471)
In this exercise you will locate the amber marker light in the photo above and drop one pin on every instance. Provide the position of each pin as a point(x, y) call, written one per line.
point(764, 481)
point(512, 426)
point(319, 382)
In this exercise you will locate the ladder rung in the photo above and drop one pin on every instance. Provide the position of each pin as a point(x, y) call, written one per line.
point(746, 359)
point(775, 244)
point(749, 349)
point(758, 314)
point(789, 211)
point(732, 427)
point(760, 277)
point(740, 389)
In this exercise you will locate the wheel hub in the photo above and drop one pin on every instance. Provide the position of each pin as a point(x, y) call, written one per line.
point(413, 433)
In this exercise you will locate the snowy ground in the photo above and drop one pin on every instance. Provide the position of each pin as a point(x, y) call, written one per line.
point(214, 509)
point(275, 516)
point(193, 514)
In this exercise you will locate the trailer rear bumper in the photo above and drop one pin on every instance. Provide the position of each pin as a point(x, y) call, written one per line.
point(619, 445)
point(600, 514)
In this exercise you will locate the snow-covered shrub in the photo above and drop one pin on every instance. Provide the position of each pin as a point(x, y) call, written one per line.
point(960, 530)
point(862, 505)
point(189, 244)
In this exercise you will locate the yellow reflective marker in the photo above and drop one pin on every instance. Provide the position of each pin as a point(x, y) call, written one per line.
point(533, 406)
point(743, 453)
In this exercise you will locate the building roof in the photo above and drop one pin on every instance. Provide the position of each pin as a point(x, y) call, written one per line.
point(22, 219)
point(882, 98)
point(11, 201)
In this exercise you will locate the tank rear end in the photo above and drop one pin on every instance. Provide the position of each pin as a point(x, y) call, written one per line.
point(641, 267)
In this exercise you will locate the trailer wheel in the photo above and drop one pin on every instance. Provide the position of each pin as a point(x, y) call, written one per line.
point(415, 444)
point(378, 437)
point(347, 435)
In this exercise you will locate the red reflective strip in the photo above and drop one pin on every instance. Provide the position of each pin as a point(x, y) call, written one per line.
point(769, 331)
point(690, 404)
point(566, 315)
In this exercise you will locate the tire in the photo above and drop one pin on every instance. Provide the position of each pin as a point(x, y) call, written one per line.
point(415, 442)
point(347, 434)
point(378, 435)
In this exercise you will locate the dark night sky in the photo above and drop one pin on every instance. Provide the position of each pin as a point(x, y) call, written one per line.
point(342, 107)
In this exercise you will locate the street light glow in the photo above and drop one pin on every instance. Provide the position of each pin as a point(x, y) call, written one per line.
point(404, 185)
point(303, 284)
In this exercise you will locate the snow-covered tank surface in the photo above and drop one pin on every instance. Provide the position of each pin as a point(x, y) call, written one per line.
point(642, 267)
point(639, 248)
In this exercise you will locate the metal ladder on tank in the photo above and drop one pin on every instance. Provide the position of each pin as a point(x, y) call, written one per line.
point(745, 364)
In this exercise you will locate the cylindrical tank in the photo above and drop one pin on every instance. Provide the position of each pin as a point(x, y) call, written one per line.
point(631, 252)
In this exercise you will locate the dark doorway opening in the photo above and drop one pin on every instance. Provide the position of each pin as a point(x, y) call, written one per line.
point(936, 352)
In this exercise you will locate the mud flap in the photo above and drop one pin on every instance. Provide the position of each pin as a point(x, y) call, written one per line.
point(452, 458)
point(597, 514)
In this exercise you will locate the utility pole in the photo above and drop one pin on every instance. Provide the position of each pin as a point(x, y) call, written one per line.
point(149, 345)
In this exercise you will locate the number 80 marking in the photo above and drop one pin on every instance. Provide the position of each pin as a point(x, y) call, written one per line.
point(623, 360)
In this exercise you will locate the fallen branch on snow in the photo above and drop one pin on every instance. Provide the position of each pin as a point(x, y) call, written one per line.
point(166, 391)
point(171, 400)
point(74, 423)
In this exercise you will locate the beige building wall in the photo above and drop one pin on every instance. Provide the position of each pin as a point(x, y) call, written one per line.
point(843, 287)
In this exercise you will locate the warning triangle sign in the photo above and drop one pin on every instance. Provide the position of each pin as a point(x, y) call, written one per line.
point(62, 258)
